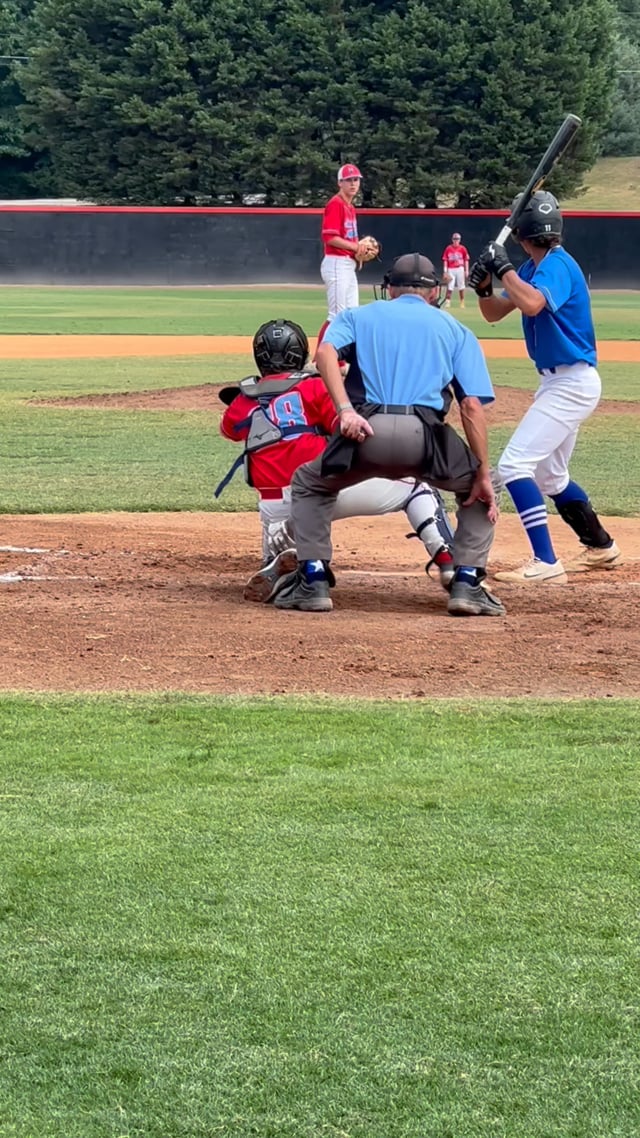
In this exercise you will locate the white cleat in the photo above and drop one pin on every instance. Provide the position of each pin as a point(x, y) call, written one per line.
point(608, 558)
point(534, 572)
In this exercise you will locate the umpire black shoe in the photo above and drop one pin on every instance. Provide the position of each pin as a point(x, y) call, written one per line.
point(473, 600)
point(294, 592)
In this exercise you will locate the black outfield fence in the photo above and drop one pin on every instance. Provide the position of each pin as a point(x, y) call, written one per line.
point(103, 245)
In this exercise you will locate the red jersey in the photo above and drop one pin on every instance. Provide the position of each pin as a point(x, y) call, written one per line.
point(338, 220)
point(308, 404)
point(455, 256)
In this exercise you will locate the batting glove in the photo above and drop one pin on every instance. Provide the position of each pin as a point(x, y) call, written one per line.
point(480, 279)
point(495, 259)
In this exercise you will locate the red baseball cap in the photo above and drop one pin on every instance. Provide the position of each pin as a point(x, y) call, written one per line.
point(348, 171)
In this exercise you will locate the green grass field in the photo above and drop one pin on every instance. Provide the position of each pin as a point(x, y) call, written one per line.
point(404, 921)
point(82, 459)
point(234, 312)
point(301, 918)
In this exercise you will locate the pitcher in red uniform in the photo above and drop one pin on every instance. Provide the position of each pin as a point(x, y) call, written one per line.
point(340, 242)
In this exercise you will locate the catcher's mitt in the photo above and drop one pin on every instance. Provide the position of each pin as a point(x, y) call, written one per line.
point(368, 249)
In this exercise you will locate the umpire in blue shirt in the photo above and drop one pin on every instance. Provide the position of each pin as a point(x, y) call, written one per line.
point(406, 357)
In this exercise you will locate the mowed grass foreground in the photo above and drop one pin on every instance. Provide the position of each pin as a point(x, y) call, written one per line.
point(365, 921)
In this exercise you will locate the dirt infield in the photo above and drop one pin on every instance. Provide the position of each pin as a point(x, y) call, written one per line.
point(509, 407)
point(94, 347)
point(153, 602)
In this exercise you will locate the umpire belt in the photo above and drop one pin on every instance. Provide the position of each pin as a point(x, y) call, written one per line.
point(395, 409)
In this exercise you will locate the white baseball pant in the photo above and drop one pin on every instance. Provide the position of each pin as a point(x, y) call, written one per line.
point(456, 280)
point(341, 283)
point(543, 442)
point(367, 499)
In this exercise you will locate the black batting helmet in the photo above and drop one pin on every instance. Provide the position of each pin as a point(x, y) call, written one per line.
point(412, 270)
point(541, 217)
point(280, 345)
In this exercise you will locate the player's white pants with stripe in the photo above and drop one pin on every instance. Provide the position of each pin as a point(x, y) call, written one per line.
point(543, 442)
point(341, 283)
point(367, 499)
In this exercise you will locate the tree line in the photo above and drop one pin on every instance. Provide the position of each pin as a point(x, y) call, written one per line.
point(208, 101)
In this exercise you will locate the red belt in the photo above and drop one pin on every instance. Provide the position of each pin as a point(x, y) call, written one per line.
point(272, 494)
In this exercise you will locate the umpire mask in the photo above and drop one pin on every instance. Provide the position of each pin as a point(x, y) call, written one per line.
point(413, 270)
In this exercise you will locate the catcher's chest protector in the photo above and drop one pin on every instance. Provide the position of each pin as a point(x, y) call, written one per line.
point(263, 432)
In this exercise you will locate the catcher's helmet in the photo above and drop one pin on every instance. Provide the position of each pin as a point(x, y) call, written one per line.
point(541, 216)
point(413, 270)
point(280, 345)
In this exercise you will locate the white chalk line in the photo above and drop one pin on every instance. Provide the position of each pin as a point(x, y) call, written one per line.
point(24, 549)
point(11, 578)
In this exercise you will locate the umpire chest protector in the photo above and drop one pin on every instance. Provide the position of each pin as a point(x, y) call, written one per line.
point(263, 432)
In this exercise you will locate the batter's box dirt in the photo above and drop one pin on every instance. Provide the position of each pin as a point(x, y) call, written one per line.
point(154, 602)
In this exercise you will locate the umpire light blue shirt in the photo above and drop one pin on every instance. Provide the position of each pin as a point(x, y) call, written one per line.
point(563, 332)
point(407, 351)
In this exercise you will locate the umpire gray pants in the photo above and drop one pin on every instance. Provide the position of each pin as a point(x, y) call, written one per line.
point(396, 450)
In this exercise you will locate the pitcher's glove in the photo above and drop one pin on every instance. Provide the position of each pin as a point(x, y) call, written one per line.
point(368, 249)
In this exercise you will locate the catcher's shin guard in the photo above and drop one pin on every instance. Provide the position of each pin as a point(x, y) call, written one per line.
point(426, 512)
point(442, 519)
point(424, 500)
point(280, 537)
point(584, 522)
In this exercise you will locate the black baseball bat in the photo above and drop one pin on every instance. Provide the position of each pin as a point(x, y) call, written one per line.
point(554, 151)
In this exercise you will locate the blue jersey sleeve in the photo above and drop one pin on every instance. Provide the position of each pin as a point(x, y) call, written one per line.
point(553, 279)
point(341, 331)
point(470, 368)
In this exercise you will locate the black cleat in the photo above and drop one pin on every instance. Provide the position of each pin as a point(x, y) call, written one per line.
point(473, 600)
point(294, 592)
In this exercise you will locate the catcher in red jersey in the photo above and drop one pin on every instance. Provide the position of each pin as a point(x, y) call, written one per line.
point(455, 265)
point(284, 417)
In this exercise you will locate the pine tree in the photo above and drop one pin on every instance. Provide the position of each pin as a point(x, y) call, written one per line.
point(187, 100)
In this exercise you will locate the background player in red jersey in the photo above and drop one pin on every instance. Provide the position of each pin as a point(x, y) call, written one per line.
point(455, 263)
point(285, 421)
point(341, 246)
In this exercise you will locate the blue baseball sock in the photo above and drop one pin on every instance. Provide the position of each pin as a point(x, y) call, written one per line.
point(314, 571)
point(530, 504)
point(571, 493)
point(466, 573)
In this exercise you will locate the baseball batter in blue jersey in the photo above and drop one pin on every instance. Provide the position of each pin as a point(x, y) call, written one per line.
point(407, 360)
point(551, 292)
